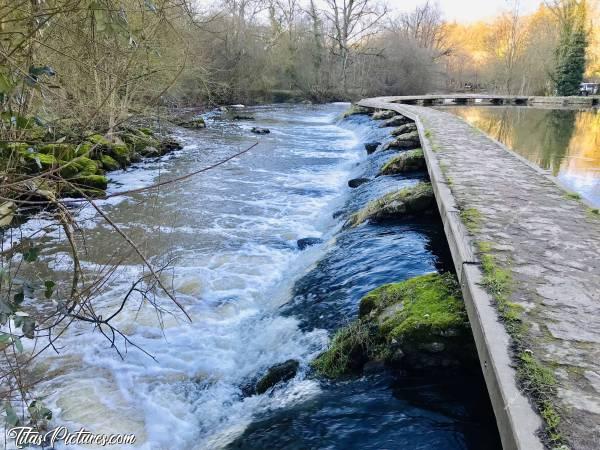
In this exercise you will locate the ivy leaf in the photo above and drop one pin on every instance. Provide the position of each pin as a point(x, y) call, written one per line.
point(19, 297)
point(32, 253)
point(38, 411)
point(49, 284)
point(12, 420)
point(18, 344)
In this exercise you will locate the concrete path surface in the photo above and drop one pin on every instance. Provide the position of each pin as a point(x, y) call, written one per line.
point(548, 241)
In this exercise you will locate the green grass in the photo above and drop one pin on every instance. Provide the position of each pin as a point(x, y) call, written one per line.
point(572, 196)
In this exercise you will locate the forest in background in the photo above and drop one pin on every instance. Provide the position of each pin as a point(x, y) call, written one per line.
point(95, 62)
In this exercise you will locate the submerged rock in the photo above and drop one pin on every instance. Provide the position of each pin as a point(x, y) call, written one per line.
point(410, 161)
point(395, 121)
point(416, 324)
point(383, 115)
point(356, 182)
point(396, 205)
point(277, 374)
point(308, 242)
point(257, 130)
point(195, 123)
point(406, 141)
point(371, 147)
point(406, 128)
point(356, 110)
point(241, 117)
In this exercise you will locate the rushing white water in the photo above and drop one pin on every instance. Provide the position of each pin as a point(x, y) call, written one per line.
point(233, 234)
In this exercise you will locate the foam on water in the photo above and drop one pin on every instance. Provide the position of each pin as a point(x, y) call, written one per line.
point(233, 232)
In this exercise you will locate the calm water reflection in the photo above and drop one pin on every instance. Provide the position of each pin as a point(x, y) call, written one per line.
point(566, 142)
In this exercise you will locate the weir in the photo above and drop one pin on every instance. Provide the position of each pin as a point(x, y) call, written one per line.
point(489, 99)
point(504, 216)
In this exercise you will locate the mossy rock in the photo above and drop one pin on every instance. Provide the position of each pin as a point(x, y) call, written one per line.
point(138, 141)
point(121, 153)
point(37, 162)
point(384, 115)
point(409, 161)
point(406, 141)
point(146, 131)
point(403, 129)
point(416, 324)
point(109, 163)
point(77, 167)
point(194, 123)
point(356, 110)
point(94, 182)
point(395, 121)
point(99, 139)
point(396, 205)
point(65, 152)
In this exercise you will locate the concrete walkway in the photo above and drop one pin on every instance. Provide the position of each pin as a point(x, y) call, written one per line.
point(551, 245)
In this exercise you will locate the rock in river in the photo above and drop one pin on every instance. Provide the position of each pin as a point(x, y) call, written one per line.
point(410, 161)
point(383, 115)
point(395, 121)
point(406, 128)
point(406, 141)
point(356, 182)
point(258, 130)
point(400, 204)
point(277, 374)
point(416, 324)
point(307, 242)
point(370, 147)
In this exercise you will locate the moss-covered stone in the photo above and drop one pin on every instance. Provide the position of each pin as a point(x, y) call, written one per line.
point(97, 182)
point(355, 110)
point(77, 167)
point(406, 128)
point(109, 163)
point(98, 139)
point(395, 121)
point(410, 161)
point(36, 162)
point(384, 115)
point(121, 153)
point(194, 123)
point(65, 152)
point(406, 141)
point(138, 140)
point(396, 205)
point(415, 324)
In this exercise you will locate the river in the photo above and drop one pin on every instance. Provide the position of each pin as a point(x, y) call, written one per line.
point(254, 299)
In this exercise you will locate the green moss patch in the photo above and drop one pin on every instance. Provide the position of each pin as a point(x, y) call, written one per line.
point(356, 110)
point(418, 322)
point(396, 205)
point(409, 161)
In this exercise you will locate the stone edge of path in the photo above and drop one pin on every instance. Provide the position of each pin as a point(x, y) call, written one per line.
point(518, 423)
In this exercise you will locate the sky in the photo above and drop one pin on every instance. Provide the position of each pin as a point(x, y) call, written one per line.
point(468, 10)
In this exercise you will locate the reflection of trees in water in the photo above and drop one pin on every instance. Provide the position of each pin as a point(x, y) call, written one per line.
point(542, 136)
point(556, 132)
